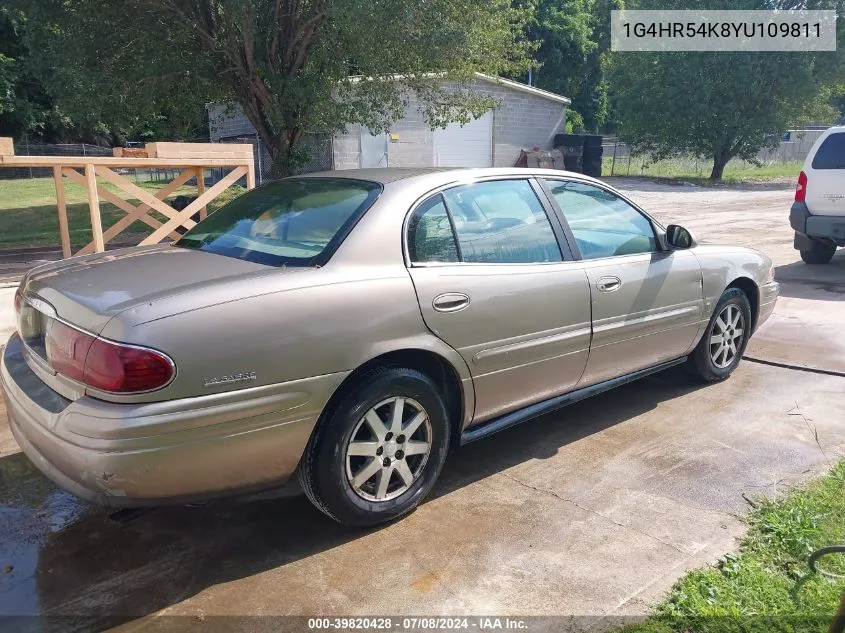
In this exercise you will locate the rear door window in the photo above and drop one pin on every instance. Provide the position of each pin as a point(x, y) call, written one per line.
point(430, 232)
point(831, 153)
point(501, 222)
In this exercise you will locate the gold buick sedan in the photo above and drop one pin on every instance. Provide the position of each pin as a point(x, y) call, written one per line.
point(348, 327)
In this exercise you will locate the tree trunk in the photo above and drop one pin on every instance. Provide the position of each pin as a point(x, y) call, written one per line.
point(719, 161)
point(278, 150)
point(285, 155)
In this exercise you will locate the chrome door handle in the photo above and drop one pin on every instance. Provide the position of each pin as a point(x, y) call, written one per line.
point(450, 302)
point(608, 284)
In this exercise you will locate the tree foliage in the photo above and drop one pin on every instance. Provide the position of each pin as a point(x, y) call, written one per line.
point(25, 107)
point(574, 37)
point(294, 66)
point(720, 105)
point(29, 110)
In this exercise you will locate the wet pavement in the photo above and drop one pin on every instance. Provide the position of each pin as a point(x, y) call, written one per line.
point(592, 510)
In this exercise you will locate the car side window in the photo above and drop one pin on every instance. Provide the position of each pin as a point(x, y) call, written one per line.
point(603, 224)
point(430, 235)
point(501, 222)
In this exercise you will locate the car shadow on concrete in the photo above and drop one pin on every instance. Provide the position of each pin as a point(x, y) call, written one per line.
point(819, 282)
point(73, 562)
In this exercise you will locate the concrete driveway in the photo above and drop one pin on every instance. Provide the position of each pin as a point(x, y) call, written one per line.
point(591, 511)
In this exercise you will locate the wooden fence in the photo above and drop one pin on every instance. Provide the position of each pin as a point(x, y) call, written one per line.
point(188, 160)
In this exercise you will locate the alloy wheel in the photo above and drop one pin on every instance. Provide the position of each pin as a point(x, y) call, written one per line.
point(388, 449)
point(726, 336)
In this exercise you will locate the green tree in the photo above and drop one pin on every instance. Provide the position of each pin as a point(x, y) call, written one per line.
point(25, 108)
point(574, 38)
point(720, 105)
point(29, 110)
point(294, 66)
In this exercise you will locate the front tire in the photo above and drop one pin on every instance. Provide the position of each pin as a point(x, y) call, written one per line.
point(819, 253)
point(721, 348)
point(377, 454)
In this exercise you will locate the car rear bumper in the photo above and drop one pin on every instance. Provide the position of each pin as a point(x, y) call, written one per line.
point(124, 455)
point(805, 224)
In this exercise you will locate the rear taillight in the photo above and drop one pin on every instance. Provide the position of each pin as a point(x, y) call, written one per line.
point(105, 365)
point(801, 189)
point(123, 369)
point(67, 349)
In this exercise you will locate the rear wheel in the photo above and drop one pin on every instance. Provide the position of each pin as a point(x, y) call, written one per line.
point(818, 253)
point(720, 349)
point(378, 453)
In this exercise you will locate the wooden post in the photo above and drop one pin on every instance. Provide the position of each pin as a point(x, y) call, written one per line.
point(201, 190)
point(250, 176)
point(94, 208)
point(61, 205)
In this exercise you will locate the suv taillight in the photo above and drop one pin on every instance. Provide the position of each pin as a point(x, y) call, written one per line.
point(105, 365)
point(801, 189)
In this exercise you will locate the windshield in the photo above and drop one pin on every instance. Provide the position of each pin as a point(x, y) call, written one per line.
point(291, 222)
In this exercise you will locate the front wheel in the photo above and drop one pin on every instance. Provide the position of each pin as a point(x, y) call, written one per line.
point(720, 349)
point(377, 454)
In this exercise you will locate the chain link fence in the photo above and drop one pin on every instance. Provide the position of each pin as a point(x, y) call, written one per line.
point(319, 148)
point(43, 149)
point(620, 160)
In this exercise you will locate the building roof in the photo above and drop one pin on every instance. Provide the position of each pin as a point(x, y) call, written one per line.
point(507, 83)
point(515, 85)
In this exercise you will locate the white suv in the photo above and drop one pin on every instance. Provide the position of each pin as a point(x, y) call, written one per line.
point(818, 213)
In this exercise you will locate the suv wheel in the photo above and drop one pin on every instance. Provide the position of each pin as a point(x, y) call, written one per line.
point(377, 454)
point(819, 253)
point(720, 349)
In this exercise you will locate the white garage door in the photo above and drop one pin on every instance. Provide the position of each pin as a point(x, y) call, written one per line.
point(470, 145)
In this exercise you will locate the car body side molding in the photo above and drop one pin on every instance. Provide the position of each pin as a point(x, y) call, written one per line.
point(546, 406)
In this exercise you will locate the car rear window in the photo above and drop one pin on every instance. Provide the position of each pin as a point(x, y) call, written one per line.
point(290, 222)
point(831, 153)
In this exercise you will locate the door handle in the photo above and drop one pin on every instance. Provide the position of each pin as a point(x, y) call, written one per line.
point(450, 302)
point(609, 284)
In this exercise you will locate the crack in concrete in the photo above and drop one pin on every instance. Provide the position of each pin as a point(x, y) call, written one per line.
point(792, 367)
point(596, 512)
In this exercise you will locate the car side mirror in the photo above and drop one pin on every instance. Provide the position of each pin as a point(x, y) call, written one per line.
point(677, 237)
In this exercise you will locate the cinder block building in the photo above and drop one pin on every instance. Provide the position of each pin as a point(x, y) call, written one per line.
point(525, 117)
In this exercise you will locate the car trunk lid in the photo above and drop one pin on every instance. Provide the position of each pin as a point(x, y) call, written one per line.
point(88, 291)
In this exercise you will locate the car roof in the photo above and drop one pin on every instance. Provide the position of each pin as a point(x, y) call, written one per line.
point(383, 175)
point(387, 175)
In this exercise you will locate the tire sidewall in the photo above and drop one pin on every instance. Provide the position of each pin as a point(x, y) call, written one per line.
point(732, 296)
point(820, 253)
point(330, 472)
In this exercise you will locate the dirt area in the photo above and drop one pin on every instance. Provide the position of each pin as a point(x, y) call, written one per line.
point(593, 510)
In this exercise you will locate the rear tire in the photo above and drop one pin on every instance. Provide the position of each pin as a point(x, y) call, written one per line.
point(721, 348)
point(819, 253)
point(362, 474)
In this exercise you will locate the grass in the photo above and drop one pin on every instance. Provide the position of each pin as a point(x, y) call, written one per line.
point(28, 212)
point(767, 585)
point(698, 171)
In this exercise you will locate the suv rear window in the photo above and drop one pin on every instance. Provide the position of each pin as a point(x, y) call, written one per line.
point(831, 154)
point(291, 222)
